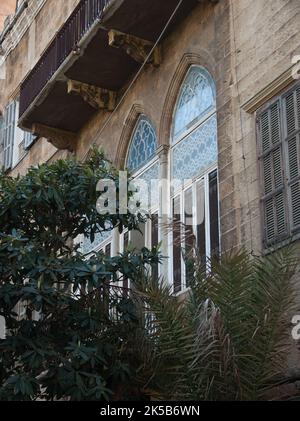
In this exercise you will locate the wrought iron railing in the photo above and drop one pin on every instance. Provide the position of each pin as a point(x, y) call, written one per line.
point(78, 24)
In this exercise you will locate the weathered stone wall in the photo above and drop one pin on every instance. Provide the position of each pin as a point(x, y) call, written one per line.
point(23, 57)
point(244, 44)
point(7, 7)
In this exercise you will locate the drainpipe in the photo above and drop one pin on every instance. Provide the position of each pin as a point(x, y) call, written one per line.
point(14, 20)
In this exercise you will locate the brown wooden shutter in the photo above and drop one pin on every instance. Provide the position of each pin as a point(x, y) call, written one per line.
point(291, 116)
point(274, 201)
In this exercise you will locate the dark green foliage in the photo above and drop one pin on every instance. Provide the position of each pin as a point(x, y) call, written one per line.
point(226, 341)
point(230, 338)
point(75, 349)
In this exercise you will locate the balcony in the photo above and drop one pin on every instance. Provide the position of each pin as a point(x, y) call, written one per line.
point(93, 56)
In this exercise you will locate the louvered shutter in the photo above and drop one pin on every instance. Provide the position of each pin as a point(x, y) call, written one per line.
point(29, 138)
point(274, 201)
point(292, 144)
point(9, 134)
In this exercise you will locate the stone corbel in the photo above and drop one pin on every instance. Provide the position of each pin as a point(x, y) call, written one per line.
point(136, 48)
point(61, 139)
point(98, 98)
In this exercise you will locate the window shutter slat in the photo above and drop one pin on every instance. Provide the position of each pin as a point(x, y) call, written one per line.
point(270, 220)
point(277, 168)
point(292, 122)
point(268, 181)
point(273, 174)
point(290, 113)
point(295, 203)
point(265, 131)
point(280, 214)
point(275, 124)
point(298, 107)
point(293, 156)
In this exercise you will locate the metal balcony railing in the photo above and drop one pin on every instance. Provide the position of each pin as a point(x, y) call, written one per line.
point(78, 24)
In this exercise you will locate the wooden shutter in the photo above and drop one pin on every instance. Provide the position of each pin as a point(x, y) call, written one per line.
point(275, 200)
point(9, 134)
point(292, 146)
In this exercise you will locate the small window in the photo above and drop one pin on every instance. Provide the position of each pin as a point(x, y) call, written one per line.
point(279, 144)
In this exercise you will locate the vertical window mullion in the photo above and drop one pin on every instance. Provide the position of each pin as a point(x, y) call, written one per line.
point(214, 214)
point(154, 242)
point(188, 237)
point(176, 244)
point(207, 217)
point(201, 220)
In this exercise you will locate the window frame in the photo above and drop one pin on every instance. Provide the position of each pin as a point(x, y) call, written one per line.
point(8, 133)
point(203, 176)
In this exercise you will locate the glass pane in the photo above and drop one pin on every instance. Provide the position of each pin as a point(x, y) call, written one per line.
point(214, 214)
point(151, 177)
point(197, 98)
point(137, 240)
point(143, 145)
point(125, 280)
point(154, 242)
point(88, 246)
point(197, 152)
point(108, 250)
point(176, 245)
point(201, 238)
point(106, 285)
point(189, 238)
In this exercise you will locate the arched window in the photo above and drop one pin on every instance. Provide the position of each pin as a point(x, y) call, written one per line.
point(197, 98)
point(143, 145)
point(143, 163)
point(194, 157)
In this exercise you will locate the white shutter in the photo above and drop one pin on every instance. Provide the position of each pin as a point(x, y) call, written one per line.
point(292, 143)
point(275, 202)
point(9, 134)
point(29, 138)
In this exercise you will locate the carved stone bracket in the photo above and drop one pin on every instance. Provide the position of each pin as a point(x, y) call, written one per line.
point(61, 139)
point(98, 98)
point(135, 47)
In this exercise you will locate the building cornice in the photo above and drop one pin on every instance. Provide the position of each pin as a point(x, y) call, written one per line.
point(270, 91)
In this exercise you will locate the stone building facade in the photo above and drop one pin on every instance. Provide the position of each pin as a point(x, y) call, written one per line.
point(104, 84)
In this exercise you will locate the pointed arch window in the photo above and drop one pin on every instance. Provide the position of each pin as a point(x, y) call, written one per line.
point(194, 162)
point(142, 161)
point(197, 98)
point(143, 145)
